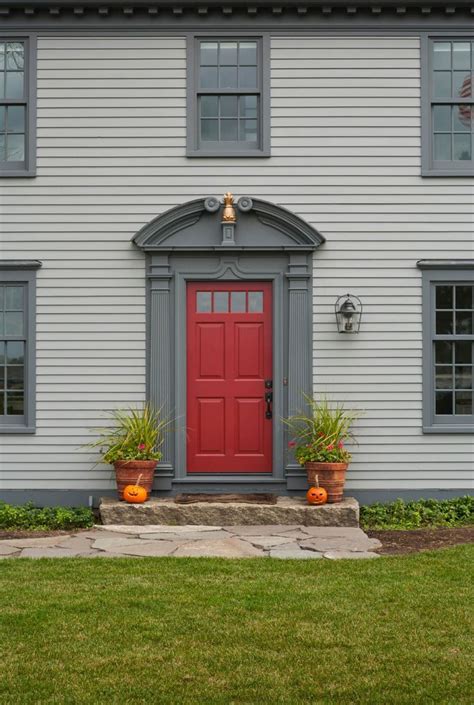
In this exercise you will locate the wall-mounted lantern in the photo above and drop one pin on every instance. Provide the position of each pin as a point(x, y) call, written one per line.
point(348, 311)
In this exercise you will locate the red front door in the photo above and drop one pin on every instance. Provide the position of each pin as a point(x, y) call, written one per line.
point(229, 358)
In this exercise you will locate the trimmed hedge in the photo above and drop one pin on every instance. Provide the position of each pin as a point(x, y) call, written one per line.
point(29, 517)
point(423, 513)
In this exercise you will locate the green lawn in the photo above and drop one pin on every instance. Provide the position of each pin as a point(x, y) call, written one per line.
point(392, 631)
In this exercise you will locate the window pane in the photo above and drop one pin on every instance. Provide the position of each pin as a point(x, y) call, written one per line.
point(2, 85)
point(248, 130)
point(248, 77)
point(15, 377)
point(442, 147)
point(15, 148)
point(204, 302)
point(2, 56)
point(255, 301)
point(3, 145)
point(221, 301)
point(208, 76)
point(443, 352)
point(444, 402)
point(462, 84)
point(15, 405)
point(461, 55)
point(209, 130)
point(465, 297)
point(228, 106)
point(15, 56)
point(248, 106)
point(2, 352)
point(229, 130)
point(209, 53)
point(464, 324)
point(248, 53)
point(442, 118)
point(237, 301)
point(2, 378)
point(14, 87)
point(14, 298)
point(2, 404)
point(2, 324)
point(444, 377)
point(209, 106)
point(13, 323)
point(442, 84)
point(16, 118)
point(441, 55)
point(463, 353)
point(463, 378)
point(15, 352)
point(2, 118)
point(444, 322)
point(461, 146)
point(463, 403)
point(228, 54)
point(462, 115)
point(228, 77)
point(444, 297)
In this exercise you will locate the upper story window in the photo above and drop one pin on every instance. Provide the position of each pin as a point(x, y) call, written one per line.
point(448, 107)
point(17, 346)
point(17, 119)
point(228, 97)
point(448, 347)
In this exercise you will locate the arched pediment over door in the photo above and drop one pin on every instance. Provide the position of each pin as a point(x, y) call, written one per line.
point(251, 240)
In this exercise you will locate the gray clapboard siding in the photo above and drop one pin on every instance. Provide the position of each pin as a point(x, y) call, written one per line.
point(345, 156)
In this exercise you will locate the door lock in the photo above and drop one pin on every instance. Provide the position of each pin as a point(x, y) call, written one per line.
point(268, 400)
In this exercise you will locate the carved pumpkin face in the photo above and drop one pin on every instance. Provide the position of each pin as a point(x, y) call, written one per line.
point(317, 495)
point(134, 494)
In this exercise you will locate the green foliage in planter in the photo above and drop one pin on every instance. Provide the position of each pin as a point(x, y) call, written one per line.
point(32, 518)
point(423, 513)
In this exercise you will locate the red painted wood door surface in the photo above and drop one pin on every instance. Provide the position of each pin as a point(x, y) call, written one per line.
point(229, 357)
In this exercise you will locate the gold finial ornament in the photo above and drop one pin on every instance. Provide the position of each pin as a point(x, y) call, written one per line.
point(229, 215)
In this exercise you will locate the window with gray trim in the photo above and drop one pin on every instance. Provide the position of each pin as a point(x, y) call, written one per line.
point(17, 351)
point(448, 394)
point(16, 107)
point(448, 106)
point(227, 97)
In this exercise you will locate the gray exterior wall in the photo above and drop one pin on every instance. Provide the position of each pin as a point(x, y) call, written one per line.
point(345, 156)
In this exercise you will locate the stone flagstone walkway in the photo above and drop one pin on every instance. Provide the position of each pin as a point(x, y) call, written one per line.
point(282, 541)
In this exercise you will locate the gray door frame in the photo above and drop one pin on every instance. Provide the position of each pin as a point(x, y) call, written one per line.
point(279, 249)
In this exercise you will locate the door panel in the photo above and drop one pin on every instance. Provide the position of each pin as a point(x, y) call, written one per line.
point(229, 357)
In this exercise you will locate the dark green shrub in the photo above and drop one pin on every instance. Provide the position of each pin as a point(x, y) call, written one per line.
point(418, 514)
point(27, 516)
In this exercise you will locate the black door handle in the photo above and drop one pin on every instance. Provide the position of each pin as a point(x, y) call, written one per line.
point(268, 399)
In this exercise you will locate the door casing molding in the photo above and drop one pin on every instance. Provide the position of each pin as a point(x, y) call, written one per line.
point(192, 253)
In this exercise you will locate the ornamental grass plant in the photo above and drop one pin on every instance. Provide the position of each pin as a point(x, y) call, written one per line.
point(136, 434)
point(320, 433)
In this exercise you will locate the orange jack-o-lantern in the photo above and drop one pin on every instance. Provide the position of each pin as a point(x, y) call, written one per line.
point(134, 494)
point(317, 495)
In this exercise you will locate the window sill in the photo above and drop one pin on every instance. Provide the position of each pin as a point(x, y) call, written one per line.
point(17, 430)
point(446, 428)
point(17, 174)
point(253, 153)
point(442, 173)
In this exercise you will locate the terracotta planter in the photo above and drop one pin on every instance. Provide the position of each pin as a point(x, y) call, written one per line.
point(331, 476)
point(127, 472)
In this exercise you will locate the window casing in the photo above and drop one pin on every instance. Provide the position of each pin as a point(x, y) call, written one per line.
point(17, 348)
point(448, 106)
point(448, 350)
point(17, 106)
point(228, 96)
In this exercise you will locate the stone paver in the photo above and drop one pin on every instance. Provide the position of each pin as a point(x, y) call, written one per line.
point(228, 548)
point(282, 541)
